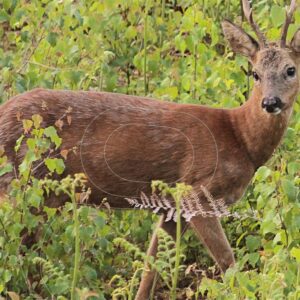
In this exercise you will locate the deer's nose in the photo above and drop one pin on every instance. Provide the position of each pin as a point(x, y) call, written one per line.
point(272, 104)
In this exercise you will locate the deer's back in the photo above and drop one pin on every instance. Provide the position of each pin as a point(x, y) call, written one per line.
point(122, 143)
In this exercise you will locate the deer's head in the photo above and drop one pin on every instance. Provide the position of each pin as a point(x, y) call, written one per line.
point(275, 65)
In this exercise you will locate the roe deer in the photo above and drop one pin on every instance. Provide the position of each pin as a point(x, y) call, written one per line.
point(126, 141)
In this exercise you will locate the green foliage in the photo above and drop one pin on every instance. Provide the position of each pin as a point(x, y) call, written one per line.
point(277, 279)
point(54, 277)
point(5, 167)
point(172, 249)
point(166, 258)
point(172, 50)
point(54, 264)
point(25, 199)
point(165, 262)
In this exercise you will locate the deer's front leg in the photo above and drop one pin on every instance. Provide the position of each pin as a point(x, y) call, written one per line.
point(211, 233)
point(149, 275)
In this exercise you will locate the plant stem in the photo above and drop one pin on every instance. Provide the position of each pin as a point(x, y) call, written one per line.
point(77, 246)
point(195, 71)
point(145, 48)
point(195, 60)
point(163, 9)
point(297, 282)
point(178, 237)
point(101, 78)
point(153, 287)
point(132, 282)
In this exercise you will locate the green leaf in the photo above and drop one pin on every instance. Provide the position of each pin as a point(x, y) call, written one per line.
point(18, 143)
point(75, 76)
point(99, 222)
point(293, 168)
point(289, 189)
point(215, 34)
point(51, 212)
point(50, 163)
point(27, 124)
point(89, 273)
point(52, 134)
point(186, 83)
point(31, 144)
point(35, 200)
point(252, 242)
point(7, 275)
point(262, 173)
point(55, 164)
point(295, 252)
point(3, 16)
point(37, 120)
point(8, 3)
point(52, 38)
point(6, 169)
point(277, 15)
point(130, 32)
point(253, 259)
point(268, 226)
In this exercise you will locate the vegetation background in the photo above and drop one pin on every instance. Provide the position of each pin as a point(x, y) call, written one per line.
point(168, 49)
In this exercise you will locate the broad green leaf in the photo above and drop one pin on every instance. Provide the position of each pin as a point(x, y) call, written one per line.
point(289, 189)
point(7, 275)
point(277, 15)
point(51, 212)
point(3, 16)
point(253, 242)
point(293, 167)
point(52, 134)
point(253, 259)
point(27, 125)
point(295, 252)
point(262, 173)
point(6, 169)
point(37, 120)
point(52, 38)
point(35, 200)
point(55, 164)
point(268, 226)
point(31, 143)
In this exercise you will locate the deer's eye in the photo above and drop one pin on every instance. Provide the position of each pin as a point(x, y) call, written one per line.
point(291, 71)
point(255, 76)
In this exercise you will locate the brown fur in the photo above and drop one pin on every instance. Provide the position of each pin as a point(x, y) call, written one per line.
point(124, 142)
point(156, 140)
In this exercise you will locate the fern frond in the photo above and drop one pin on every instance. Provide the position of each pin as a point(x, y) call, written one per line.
point(137, 253)
point(166, 256)
point(50, 270)
point(190, 205)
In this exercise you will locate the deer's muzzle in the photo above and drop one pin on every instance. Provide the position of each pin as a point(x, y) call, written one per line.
point(272, 105)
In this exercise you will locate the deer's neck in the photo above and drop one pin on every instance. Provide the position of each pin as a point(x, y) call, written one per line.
point(259, 132)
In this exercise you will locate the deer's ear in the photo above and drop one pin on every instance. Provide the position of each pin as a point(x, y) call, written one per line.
point(239, 40)
point(295, 43)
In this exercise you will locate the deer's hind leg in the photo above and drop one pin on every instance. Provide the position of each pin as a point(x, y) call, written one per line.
point(148, 275)
point(209, 230)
